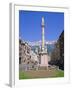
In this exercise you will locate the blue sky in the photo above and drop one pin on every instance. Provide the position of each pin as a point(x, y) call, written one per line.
point(30, 25)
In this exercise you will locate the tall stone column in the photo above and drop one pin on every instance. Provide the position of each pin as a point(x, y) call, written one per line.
point(43, 55)
point(43, 37)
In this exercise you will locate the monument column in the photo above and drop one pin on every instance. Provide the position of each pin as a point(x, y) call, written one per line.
point(43, 38)
point(43, 55)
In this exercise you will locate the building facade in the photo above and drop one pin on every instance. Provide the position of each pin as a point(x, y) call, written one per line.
point(27, 58)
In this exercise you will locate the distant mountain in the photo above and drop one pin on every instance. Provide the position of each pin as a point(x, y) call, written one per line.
point(38, 43)
point(36, 46)
point(50, 48)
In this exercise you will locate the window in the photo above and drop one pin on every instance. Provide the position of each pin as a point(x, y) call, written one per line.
point(39, 61)
point(19, 60)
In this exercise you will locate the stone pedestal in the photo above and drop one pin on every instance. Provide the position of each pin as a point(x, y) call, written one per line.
point(43, 60)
